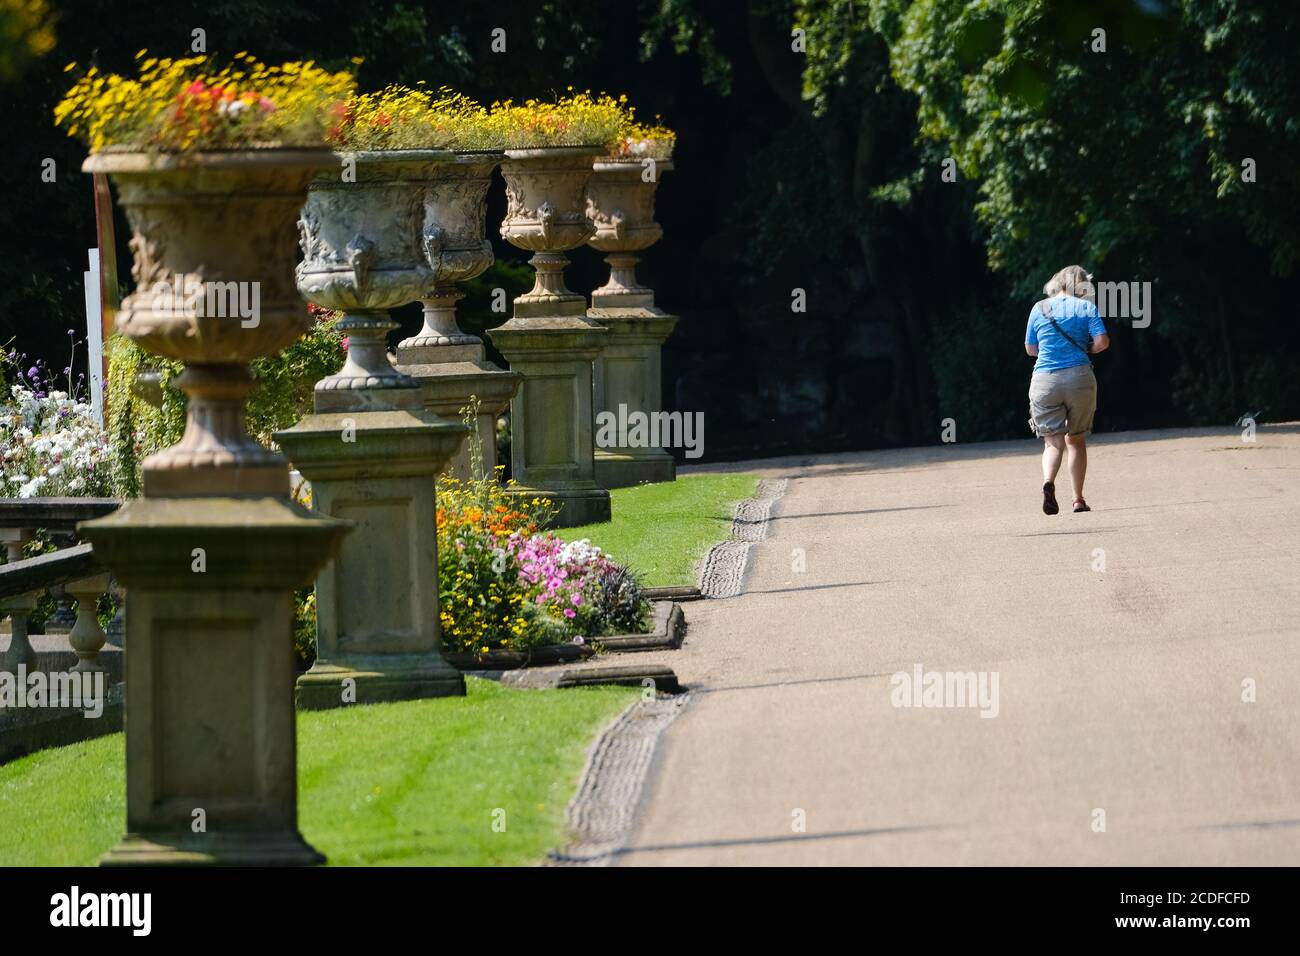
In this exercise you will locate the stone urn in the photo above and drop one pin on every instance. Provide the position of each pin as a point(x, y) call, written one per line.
point(628, 377)
point(549, 337)
point(213, 551)
point(371, 450)
point(451, 366)
point(362, 239)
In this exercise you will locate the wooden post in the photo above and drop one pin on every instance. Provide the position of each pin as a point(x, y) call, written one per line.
point(108, 288)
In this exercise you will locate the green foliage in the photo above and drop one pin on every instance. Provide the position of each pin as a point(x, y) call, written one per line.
point(969, 356)
point(1128, 160)
point(304, 626)
point(137, 428)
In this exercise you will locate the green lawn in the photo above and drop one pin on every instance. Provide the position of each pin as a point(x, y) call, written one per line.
point(662, 531)
point(413, 784)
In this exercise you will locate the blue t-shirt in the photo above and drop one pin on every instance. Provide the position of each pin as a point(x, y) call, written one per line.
point(1081, 322)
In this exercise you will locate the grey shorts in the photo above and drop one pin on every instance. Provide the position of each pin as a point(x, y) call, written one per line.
point(1062, 401)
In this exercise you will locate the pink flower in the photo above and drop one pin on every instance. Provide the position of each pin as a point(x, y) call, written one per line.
point(570, 612)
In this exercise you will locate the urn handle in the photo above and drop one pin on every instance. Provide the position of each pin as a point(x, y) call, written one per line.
point(433, 240)
point(360, 254)
point(545, 215)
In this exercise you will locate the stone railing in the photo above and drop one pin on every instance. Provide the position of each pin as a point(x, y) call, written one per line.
point(75, 571)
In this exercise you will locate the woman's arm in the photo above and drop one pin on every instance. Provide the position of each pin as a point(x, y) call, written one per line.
point(1100, 343)
point(1031, 350)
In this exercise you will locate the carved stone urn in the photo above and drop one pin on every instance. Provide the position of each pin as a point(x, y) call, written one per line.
point(450, 365)
point(549, 337)
point(371, 450)
point(620, 200)
point(212, 553)
point(362, 235)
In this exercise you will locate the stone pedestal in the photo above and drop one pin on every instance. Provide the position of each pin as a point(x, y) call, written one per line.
point(620, 202)
point(450, 375)
point(549, 338)
point(378, 634)
point(628, 378)
point(210, 744)
point(551, 436)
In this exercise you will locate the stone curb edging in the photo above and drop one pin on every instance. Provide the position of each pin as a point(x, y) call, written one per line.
point(667, 631)
point(656, 676)
point(680, 592)
point(603, 812)
point(722, 574)
point(510, 660)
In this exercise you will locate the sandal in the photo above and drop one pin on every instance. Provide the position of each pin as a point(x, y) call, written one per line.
point(1050, 507)
point(1080, 505)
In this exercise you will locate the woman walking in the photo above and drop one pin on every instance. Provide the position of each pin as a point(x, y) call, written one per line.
point(1064, 330)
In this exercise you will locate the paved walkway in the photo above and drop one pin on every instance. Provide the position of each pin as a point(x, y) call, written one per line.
point(1118, 690)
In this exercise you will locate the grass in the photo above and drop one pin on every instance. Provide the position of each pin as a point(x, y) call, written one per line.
point(412, 784)
point(663, 530)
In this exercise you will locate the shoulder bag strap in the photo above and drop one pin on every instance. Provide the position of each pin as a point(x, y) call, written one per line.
point(1047, 313)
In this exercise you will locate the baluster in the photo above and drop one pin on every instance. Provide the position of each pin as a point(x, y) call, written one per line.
point(19, 607)
point(20, 650)
point(86, 636)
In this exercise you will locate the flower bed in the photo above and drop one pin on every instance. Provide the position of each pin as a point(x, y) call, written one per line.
point(505, 584)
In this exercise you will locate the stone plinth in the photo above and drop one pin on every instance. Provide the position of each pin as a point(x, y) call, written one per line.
point(628, 379)
point(378, 633)
point(210, 745)
point(449, 364)
point(551, 421)
point(449, 377)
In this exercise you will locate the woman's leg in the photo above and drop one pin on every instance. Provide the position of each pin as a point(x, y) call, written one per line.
point(1078, 445)
point(1053, 446)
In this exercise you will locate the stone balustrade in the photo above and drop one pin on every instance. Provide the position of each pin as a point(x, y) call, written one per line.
point(74, 570)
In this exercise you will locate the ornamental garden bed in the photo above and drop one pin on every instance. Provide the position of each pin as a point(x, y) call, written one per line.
point(667, 630)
